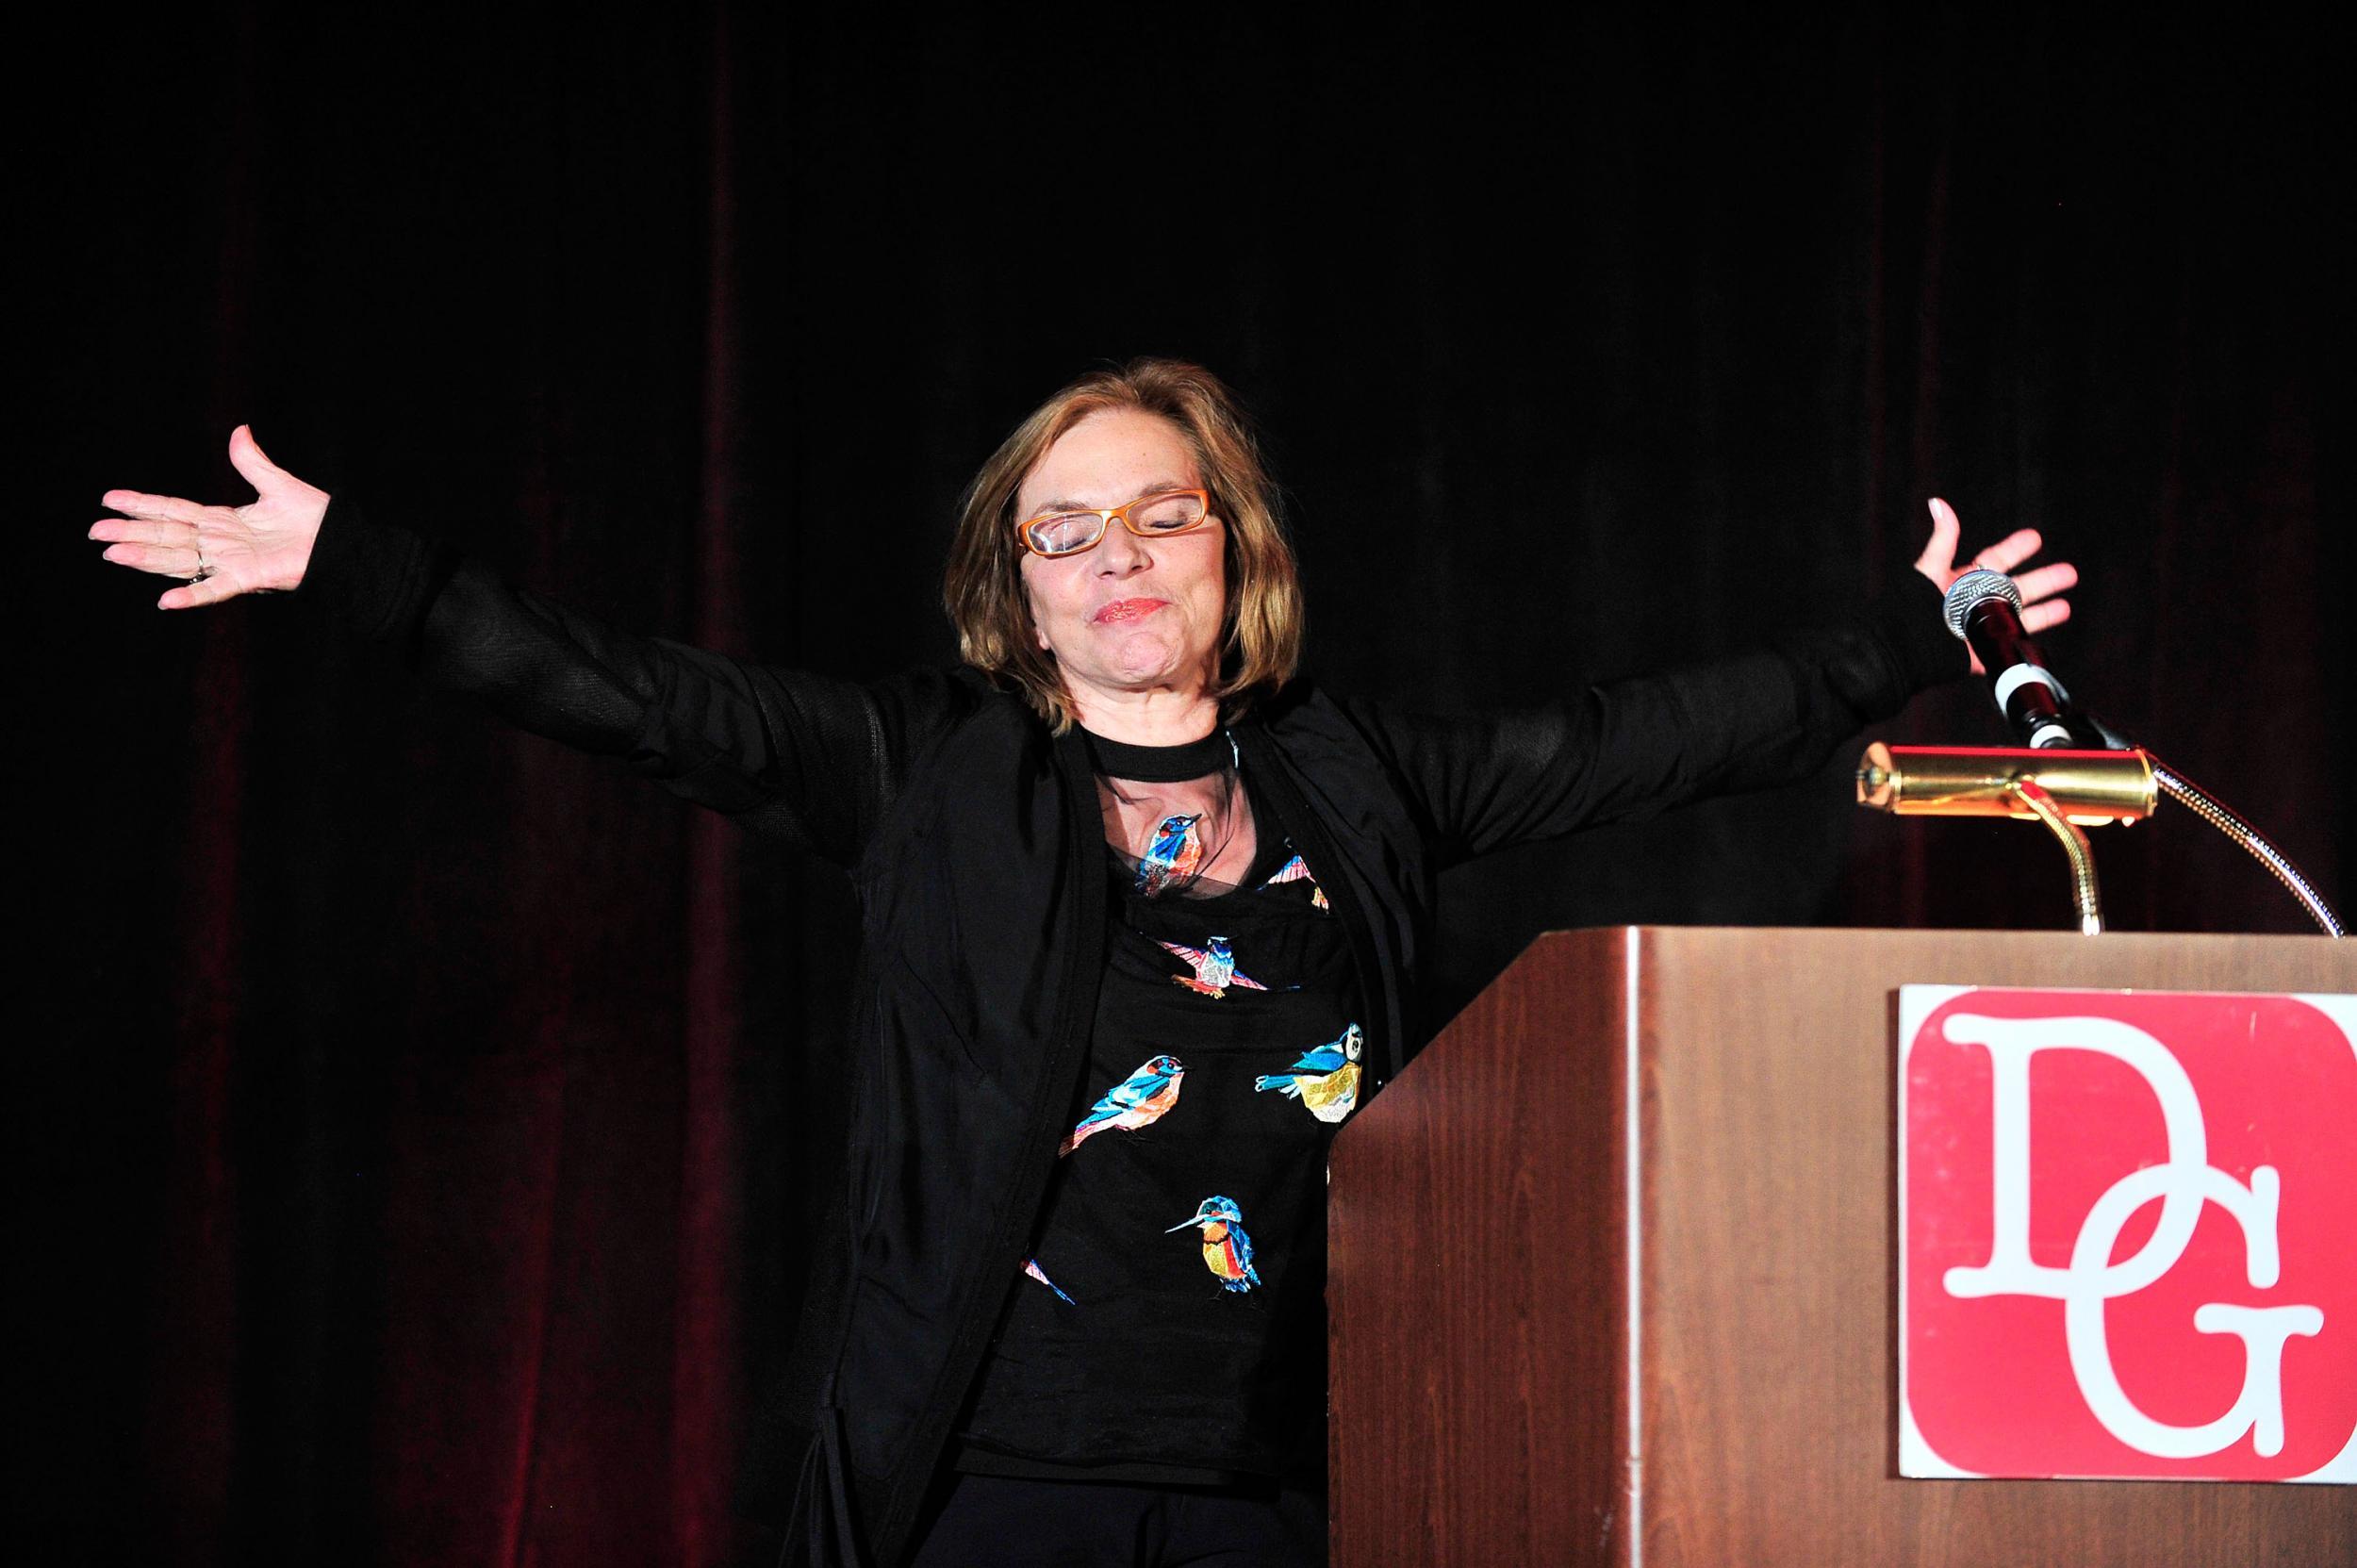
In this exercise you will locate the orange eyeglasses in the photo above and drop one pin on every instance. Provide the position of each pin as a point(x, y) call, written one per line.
point(1150, 516)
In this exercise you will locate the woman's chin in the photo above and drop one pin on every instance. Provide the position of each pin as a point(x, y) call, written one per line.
point(1142, 660)
point(1141, 664)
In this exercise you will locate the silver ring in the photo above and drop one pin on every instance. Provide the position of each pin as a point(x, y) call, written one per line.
point(202, 570)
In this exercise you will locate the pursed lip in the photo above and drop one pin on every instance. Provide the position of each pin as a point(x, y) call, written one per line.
point(1127, 609)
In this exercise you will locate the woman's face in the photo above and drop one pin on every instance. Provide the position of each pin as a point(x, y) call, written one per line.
point(1131, 616)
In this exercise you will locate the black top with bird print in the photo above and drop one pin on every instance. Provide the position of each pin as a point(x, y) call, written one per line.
point(1171, 1324)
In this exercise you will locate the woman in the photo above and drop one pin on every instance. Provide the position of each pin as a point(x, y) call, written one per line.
point(1143, 921)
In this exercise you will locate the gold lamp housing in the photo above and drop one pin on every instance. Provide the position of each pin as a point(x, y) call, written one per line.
point(2089, 787)
point(2066, 790)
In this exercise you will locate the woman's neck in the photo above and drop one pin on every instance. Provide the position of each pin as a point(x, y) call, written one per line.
point(1147, 717)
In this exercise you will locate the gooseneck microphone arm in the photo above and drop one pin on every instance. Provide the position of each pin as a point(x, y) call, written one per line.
point(2180, 787)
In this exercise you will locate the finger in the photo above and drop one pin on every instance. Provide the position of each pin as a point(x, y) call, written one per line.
point(164, 561)
point(1940, 551)
point(158, 508)
point(245, 456)
point(131, 531)
point(190, 596)
point(2011, 550)
point(2053, 612)
point(2046, 582)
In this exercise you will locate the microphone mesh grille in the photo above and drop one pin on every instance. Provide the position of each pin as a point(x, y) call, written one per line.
point(1974, 588)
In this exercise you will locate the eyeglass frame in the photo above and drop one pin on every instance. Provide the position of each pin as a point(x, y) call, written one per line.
point(1105, 516)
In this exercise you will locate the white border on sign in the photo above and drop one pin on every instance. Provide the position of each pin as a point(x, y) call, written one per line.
point(1918, 1460)
point(2342, 1009)
point(2341, 1468)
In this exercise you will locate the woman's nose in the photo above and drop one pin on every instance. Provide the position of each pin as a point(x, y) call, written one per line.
point(1122, 552)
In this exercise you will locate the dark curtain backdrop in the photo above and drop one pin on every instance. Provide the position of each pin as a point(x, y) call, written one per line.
point(421, 1118)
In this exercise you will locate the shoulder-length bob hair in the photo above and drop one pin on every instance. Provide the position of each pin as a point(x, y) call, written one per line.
point(1261, 625)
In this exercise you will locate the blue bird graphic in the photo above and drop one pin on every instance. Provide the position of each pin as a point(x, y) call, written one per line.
point(1176, 851)
point(1135, 1101)
point(1227, 1250)
point(1326, 1080)
point(1214, 966)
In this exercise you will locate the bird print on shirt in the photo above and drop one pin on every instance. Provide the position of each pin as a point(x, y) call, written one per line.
point(1030, 1266)
point(1297, 870)
point(1174, 854)
point(1326, 1078)
point(1136, 1101)
point(1227, 1250)
point(1214, 966)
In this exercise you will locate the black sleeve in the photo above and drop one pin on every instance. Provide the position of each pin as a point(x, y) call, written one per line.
point(1629, 750)
point(803, 758)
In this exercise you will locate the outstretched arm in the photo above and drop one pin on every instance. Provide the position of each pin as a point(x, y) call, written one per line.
point(807, 759)
point(1630, 748)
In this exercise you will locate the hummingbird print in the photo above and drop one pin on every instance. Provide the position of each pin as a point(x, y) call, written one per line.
point(1297, 870)
point(1227, 1250)
point(1176, 851)
point(1135, 1101)
point(1214, 967)
point(1326, 1080)
point(1030, 1266)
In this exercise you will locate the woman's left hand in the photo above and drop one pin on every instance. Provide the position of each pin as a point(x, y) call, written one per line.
point(2041, 586)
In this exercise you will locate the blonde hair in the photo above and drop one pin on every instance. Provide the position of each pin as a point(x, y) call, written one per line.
point(1261, 627)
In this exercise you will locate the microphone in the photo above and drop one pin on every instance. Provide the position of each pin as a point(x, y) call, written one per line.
point(1984, 609)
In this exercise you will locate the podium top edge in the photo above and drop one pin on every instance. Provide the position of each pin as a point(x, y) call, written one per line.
point(1912, 932)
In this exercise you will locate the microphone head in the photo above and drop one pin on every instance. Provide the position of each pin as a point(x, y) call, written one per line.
point(1973, 590)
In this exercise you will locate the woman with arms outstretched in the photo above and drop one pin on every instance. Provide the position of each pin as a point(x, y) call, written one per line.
point(1144, 921)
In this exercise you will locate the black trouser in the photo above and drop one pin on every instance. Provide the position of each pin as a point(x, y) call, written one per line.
point(997, 1522)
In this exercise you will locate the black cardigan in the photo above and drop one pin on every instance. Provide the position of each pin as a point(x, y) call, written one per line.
point(973, 838)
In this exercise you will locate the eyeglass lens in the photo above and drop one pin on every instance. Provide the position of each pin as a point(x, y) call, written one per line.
point(1069, 533)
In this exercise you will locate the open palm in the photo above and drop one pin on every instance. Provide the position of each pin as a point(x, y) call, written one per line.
point(219, 552)
point(2040, 607)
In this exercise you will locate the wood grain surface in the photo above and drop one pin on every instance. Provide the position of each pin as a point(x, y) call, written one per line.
point(1483, 1346)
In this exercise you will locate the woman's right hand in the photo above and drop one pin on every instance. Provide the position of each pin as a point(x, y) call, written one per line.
point(219, 552)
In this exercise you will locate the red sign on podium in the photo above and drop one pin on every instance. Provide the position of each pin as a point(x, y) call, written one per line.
point(2128, 1236)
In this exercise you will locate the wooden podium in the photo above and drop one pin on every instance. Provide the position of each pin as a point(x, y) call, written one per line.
point(1611, 1273)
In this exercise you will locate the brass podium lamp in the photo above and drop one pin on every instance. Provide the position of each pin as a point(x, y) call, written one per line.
point(2069, 791)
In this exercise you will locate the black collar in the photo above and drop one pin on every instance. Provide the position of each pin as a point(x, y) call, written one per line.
point(1160, 764)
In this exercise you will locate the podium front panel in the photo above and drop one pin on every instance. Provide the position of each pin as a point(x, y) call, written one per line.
point(1611, 1270)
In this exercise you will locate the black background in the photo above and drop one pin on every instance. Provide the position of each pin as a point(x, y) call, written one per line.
point(419, 1116)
